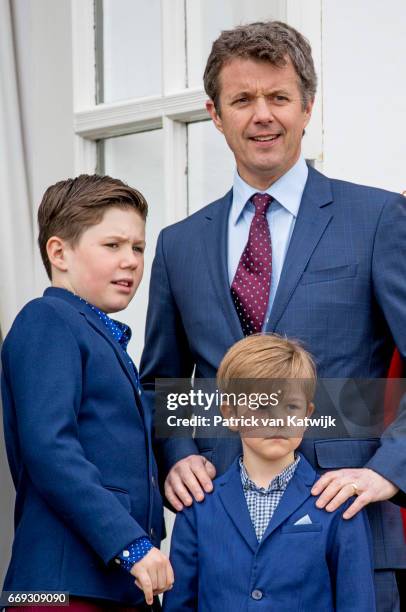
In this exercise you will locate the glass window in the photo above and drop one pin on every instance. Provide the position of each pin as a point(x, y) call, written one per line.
point(129, 49)
point(210, 163)
point(205, 20)
point(137, 159)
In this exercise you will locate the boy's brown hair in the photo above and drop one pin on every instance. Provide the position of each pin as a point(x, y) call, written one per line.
point(267, 356)
point(70, 207)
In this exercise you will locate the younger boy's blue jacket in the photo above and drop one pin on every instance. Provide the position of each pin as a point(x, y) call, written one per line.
point(78, 438)
point(316, 566)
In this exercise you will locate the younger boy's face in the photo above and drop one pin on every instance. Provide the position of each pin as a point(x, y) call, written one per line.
point(105, 267)
point(276, 443)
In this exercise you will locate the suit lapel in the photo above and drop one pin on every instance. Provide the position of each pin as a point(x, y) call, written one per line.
point(297, 491)
point(232, 497)
point(215, 237)
point(312, 220)
point(124, 361)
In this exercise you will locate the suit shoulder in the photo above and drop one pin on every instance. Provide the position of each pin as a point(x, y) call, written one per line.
point(355, 193)
point(196, 218)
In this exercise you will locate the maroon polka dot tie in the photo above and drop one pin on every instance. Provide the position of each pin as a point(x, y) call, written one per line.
point(252, 281)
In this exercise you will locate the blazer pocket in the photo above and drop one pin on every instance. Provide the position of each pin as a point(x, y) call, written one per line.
point(333, 454)
point(329, 274)
point(122, 495)
point(302, 528)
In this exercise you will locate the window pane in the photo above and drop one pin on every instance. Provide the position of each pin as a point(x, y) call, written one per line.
point(137, 159)
point(206, 19)
point(211, 165)
point(131, 49)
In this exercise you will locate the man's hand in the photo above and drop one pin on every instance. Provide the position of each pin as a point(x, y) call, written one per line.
point(337, 486)
point(153, 574)
point(191, 475)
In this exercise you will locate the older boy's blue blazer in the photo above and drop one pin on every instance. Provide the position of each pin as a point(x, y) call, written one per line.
point(78, 438)
point(317, 567)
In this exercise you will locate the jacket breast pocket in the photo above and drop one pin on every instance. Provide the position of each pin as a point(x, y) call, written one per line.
point(302, 528)
point(323, 275)
point(334, 454)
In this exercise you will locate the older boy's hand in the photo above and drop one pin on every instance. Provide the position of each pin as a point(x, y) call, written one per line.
point(193, 475)
point(337, 486)
point(153, 574)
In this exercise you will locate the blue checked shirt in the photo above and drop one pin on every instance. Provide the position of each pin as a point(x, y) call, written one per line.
point(262, 502)
point(122, 334)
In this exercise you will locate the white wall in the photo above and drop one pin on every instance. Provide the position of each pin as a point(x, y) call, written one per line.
point(44, 60)
point(364, 97)
point(42, 30)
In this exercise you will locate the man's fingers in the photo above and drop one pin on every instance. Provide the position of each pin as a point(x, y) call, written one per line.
point(177, 488)
point(192, 484)
point(204, 471)
point(328, 494)
point(357, 505)
point(343, 494)
point(172, 498)
point(323, 482)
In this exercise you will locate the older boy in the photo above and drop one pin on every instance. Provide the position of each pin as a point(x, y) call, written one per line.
point(78, 433)
point(258, 542)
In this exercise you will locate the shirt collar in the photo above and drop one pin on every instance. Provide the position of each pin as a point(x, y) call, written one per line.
point(120, 331)
point(280, 482)
point(287, 190)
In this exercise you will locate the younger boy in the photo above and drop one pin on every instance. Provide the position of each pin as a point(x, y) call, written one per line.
point(258, 542)
point(88, 513)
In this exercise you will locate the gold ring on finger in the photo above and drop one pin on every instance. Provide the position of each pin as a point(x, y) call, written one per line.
point(355, 487)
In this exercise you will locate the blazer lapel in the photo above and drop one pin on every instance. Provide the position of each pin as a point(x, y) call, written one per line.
point(297, 491)
point(233, 499)
point(313, 218)
point(215, 237)
point(124, 362)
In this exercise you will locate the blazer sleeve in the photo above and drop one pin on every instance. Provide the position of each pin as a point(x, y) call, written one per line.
point(166, 353)
point(183, 597)
point(350, 563)
point(42, 380)
point(389, 274)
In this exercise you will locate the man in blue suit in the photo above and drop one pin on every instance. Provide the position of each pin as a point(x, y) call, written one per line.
point(337, 280)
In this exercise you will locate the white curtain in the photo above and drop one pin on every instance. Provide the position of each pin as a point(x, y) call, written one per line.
point(16, 232)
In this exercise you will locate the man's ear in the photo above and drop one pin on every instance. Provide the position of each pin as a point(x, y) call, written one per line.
point(211, 109)
point(310, 409)
point(308, 111)
point(56, 251)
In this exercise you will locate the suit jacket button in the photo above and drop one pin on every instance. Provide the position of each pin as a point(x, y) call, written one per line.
point(152, 532)
point(256, 594)
point(153, 481)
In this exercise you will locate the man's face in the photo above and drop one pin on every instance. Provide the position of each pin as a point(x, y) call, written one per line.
point(261, 117)
point(106, 266)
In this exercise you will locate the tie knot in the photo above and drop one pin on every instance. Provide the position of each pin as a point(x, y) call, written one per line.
point(261, 201)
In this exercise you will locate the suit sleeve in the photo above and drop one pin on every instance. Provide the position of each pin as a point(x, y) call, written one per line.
point(183, 597)
point(166, 353)
point(350, 564)
point(42, 379)
point(389, 279)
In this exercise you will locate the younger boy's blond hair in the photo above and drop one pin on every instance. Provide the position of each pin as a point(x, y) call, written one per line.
point(267, 356)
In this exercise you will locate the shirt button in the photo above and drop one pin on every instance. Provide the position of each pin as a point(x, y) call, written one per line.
point(256, 594)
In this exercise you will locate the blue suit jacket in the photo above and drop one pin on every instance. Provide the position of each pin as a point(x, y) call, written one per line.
point(78, 443)
point(342, 292)
point(219, 564)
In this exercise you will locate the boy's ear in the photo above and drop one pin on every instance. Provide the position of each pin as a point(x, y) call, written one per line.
point(310, 409)
point(56, 251)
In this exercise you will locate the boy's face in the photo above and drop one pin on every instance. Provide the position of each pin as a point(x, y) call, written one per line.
point(275, 443)
point(105, 267)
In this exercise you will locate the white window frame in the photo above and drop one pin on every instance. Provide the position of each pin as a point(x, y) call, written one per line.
point(177, 106)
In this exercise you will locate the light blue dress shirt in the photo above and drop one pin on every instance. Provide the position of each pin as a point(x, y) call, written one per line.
point(287, 193)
